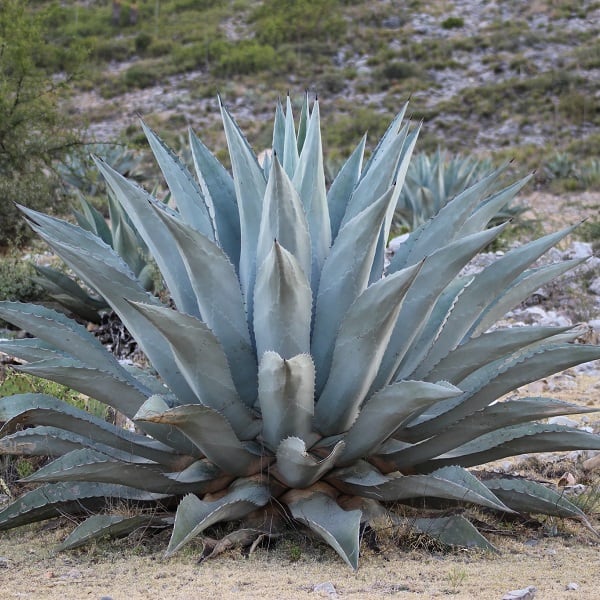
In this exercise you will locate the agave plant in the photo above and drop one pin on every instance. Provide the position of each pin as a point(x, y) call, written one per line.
point(294, 374)
point(433, 180)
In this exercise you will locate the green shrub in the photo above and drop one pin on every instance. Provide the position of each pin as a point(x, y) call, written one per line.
point(16, 281)
point(246, 57)
point(453, 23)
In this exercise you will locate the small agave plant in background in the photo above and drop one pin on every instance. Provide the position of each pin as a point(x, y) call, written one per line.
point(299, 374)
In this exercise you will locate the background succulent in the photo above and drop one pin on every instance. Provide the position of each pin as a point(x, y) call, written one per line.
point(292, 377)
point(432, 180)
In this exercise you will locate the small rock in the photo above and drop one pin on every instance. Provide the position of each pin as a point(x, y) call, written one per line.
point(105, 598)
point(527, 593)
point(326, 589)
point(567, 479)
point(3, 562)
point(594, 286)
point(572, 586)
point(564, 421)
point(592, 464)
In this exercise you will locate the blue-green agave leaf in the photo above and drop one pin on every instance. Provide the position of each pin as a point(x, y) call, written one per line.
point(62, 334)
point(483, 290)
point(487, 210)
point(214, 436)
point(184, 190)
point(385, 411)
point(359, 348)
point(282, 291)
point(114, 526)
point(93, 261)
point(437, 273)
point(530, 281)
point(286, 391)
point(30, 349)
point(219, 297)
point(527, 496)
point(283, 219)
point(375, 181)
point(290, 149)
point(338, 527)
point(343, 185)
point(452, 531)
point(57, 499)
point(516, 439)
point(219, 192)
point(450, 483)
point(481, 350)
point(344, 277)
point(92, 220)
point(194, 515)
point(296, 468)
point(309, 180)
point(278, 142)
point(90, 465)
point(23, 410)
point(115, 391)
point(138, 204)
point(250, 186)
point(203, 363)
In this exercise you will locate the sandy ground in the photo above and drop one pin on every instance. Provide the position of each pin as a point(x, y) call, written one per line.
point(122, 570)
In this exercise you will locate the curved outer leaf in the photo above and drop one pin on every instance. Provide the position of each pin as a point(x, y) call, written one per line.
point(100, 526)
point(444, 228)
point(484, 289)
point(499, 377)
point(343, 185)
point(437, 273)
point(91, 465)
point(214, 436)
point(168, 434)
point(37, 409)
point(219, 192)
point(478, 351)
point(60, 333)
point(297, 468)
point(94, 261)
point(137, 204)
point(194, 515)
point(220, 300)
point(66, 498)
point(363, 338)
point(283, 220)
point(385, 411)
point(250, 186)
point(518, 439)
point(102, 386)
point(286, 394)
point(532, 497)
point(495, 416)
point(309, 180)
point(338, 527)
point(283, 305)
point(452, 531)
point(344, 277)
point(92, 220)
point(204, 365)
point(526, 284)
point(185, 191)
point(30, 349)
point(487, 210)
point(450, 483)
